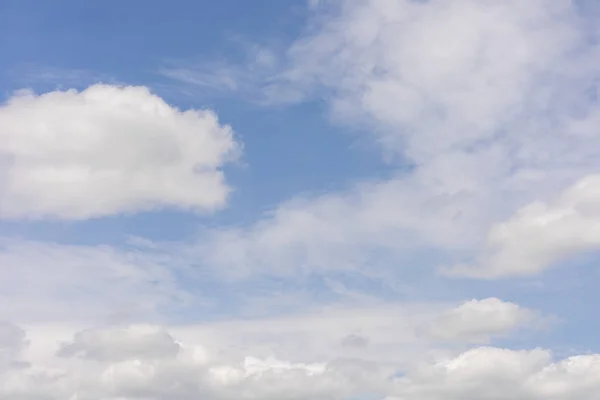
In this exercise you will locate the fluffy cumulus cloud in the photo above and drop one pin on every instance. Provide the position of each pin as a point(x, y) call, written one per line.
point(307, 355)
point(191, 372)
point(108, 150)
point(194, 371)
point(332, 352)
point(406, 350)
point(91, 285)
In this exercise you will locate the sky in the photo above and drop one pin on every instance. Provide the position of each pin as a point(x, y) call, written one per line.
point(302, 199)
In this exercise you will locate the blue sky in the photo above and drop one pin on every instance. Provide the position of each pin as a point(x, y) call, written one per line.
point(264, 180)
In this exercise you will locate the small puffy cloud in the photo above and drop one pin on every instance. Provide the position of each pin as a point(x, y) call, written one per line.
point(107, 150)
point(541, 234)
point(478, 321)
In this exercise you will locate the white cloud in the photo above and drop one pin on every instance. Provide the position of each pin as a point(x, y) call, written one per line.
point(321, 333)
point(81, 285)
point(492, 102)
point(197, 371)
point(52, 283)
point(437, 83)
point(121, 343)
point(540, 235)
point(341, 231)
point(478, 321)
point(301, 356)
point(121, 362)
point(388, 334)
point(12, 342)
point(493, 373)
point(107, 150)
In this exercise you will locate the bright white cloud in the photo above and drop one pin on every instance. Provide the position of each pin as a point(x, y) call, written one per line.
point(108, 150)
point(540, 235)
